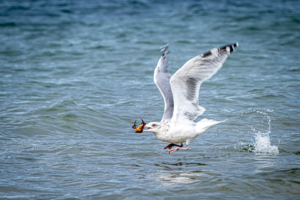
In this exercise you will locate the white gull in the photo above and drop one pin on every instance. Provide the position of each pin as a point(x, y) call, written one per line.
point(181, 92)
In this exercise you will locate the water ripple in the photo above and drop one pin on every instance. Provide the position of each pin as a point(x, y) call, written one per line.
point(74, 76)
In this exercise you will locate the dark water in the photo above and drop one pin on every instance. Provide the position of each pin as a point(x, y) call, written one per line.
point(74, 75)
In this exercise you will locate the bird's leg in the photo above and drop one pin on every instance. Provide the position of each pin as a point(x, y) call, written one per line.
point(171, 145)
point(178, 148)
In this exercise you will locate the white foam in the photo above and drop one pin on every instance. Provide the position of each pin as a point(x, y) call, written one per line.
point(262, 143)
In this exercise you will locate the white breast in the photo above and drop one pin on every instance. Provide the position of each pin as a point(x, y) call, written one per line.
point(176, 133)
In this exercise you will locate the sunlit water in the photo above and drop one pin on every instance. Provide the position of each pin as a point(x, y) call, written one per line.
point(74, 75)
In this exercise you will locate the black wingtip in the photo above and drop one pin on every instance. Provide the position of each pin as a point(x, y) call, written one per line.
point(229, 47)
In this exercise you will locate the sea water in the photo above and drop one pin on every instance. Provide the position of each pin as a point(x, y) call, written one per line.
point(74, 76)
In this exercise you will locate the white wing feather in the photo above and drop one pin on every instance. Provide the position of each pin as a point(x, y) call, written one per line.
point(186, 82)
point(162, 81)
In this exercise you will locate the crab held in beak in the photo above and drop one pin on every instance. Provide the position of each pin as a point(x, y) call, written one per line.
point(140, 128)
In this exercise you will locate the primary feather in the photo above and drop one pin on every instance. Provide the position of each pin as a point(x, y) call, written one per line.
point(186, 82)
point(162, 80)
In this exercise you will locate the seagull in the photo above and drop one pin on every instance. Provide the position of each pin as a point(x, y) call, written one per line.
point(181, 92)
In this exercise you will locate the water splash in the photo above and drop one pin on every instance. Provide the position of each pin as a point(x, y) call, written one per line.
point(262, 142)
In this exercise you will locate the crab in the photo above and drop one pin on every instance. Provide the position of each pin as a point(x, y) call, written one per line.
point(140, 128)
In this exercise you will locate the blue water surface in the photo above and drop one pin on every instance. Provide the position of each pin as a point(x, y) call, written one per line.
point(74, 75)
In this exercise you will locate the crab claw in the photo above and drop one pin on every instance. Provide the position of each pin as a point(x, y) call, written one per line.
point(143, 123)
point(134, 125)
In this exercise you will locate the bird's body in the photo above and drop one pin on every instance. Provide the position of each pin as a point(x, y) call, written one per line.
point(180, 93)
point(182, 132)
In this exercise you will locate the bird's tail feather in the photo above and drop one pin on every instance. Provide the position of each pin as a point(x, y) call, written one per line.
point(204, 124)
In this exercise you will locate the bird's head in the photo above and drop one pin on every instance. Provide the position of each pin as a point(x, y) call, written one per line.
point(153, 127)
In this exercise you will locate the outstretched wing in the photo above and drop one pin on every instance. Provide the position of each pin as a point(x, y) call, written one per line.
point(162, 81)
point(186, 82)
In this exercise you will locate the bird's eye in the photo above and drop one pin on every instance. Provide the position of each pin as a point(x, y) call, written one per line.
point(153, 125)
